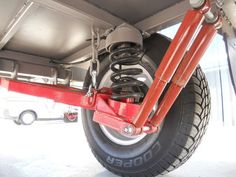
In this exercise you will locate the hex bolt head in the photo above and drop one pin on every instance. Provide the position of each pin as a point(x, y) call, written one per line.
point(128, 130)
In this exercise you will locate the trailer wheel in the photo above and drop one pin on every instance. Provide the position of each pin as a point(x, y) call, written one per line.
point(27, 117)
point(162, 152)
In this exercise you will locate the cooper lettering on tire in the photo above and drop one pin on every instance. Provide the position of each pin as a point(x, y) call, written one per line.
point(147, 156)
point(179, 135)
point(128, 164)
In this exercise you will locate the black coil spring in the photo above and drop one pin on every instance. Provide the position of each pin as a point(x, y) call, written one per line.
point(124, 85)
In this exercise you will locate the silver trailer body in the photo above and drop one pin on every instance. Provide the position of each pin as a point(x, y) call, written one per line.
point(33, 32)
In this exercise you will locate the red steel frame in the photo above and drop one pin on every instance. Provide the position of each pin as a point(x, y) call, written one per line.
point(178, 64)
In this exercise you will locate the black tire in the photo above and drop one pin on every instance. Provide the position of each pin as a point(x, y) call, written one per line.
point(17, 122)
point(20, 120)
point(180, 135)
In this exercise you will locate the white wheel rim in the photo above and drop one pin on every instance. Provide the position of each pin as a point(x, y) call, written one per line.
point(28, 118)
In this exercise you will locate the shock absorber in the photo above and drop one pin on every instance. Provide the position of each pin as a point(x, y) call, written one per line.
point(125, 47)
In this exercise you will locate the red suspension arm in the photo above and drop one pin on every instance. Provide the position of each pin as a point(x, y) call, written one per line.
point(57, 93)
point(192, 21)
point(185, 70)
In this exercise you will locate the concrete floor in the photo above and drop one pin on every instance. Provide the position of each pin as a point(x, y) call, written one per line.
point(59, 150)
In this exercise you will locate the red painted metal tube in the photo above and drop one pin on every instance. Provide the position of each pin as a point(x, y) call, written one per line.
point(100, 101)
point(192, 21)
point(61, 94)
point(185, 71)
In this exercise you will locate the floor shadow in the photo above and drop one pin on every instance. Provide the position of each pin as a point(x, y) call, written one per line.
point(105, 173)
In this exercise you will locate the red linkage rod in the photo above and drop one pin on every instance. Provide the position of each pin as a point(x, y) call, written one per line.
point(185, 70)
point(192, 21)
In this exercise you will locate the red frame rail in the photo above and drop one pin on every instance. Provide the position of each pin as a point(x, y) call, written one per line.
point(178, 64)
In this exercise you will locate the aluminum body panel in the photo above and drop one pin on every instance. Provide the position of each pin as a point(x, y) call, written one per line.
point(133, 11)
point(229, 8)
point(58, 29)
point(16, 22)
point(229, 33)
point(230, 43)
point(50, 34)
point(55, 29)
point(164, 18)
point(7, 12)
point(82, 10)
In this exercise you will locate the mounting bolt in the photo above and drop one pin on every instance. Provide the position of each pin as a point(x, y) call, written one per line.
point(129, 130)
point(220, 3)
point(210, 17)
point(196, 3)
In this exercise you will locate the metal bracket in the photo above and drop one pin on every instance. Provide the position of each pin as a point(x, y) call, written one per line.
point(15, 71)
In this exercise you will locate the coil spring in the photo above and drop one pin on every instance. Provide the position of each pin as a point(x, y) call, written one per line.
point(125, 86)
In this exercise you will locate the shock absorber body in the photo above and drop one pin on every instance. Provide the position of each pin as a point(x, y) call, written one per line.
point(174, 55)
